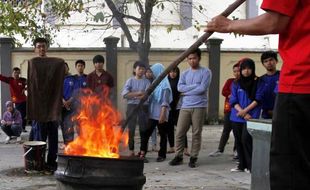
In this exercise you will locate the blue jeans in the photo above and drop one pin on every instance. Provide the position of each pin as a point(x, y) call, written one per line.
point(12, 130)
point(47, 130)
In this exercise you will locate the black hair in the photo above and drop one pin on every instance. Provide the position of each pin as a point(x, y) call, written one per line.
point(81, 61)
point(249, 84)
point(98, 59)
point(138, 64)
point(236, 65)
point(197, 52)
point(268, 54)
point(40, 40)
point(66, 64)
point(16, 69)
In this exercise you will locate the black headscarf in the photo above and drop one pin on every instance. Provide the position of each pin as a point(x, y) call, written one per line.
point(174, 87)
point(249, 84)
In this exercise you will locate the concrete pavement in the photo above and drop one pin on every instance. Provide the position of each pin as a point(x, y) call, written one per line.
point(212, 173)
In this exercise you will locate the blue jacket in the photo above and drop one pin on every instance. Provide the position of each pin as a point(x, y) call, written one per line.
point(239, 96)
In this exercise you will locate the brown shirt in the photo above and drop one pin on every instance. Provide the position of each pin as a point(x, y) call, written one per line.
point(96, 83)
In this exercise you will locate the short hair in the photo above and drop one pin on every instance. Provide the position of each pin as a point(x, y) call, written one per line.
point(197, 52)
point(16, 69)
point(268, 54)
point(98, 59)
point(81, 61)
point(40, 40)
point(138, 64)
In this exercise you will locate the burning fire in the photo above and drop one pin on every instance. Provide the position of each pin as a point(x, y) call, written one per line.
point(99, 133)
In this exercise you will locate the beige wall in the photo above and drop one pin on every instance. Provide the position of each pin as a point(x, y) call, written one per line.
point(126, 59)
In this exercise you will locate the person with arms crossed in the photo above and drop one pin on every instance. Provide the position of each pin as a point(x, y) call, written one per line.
point(193, 85)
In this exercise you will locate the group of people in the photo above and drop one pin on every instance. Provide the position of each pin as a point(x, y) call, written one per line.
point(247, 96)
point(44, 115)
point(178, 100)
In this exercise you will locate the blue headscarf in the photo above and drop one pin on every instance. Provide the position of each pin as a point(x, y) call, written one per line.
point(157, 69)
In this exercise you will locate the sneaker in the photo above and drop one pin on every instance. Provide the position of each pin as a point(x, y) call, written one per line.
point(215, 153)
point(247, 171)
point(18, 139)
point(192, 162)
point(176, 161)
point(236, 170)
point(7, 140)
point(160, 159)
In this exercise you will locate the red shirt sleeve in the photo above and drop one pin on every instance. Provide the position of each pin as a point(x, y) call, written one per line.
point(5, 79)
point(226, 91)
point(285, 7)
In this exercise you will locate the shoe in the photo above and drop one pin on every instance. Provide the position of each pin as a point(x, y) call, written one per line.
point(192, 162)
point(247, 171)
point(25, 131)
point(216, 153)
point(236, 170)
point(7, 140)
point(176, 161)
point(160, 159)
point(18, 139)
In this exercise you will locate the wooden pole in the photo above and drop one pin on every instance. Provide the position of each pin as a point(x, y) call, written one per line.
point(179, 59)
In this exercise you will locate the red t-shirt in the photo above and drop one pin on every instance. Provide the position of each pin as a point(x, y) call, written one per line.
point(226, 92)
point(17, 88)
point(294, 45)
point(96, 83)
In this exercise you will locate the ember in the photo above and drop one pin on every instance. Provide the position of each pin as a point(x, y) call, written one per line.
point(98, 126)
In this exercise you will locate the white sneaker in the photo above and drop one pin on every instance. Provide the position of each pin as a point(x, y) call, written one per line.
point(236, 170)
point(215, 153)
point(18, 139)
point(7, 140)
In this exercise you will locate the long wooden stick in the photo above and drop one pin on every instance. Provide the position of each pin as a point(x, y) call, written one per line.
point(181, 57)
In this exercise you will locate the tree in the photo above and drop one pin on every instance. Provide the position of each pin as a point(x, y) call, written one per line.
point(29, 18)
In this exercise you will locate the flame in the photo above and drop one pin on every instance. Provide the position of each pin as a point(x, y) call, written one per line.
point(99, 133)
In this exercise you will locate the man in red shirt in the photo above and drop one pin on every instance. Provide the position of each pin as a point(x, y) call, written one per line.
point(290, 152)
point(17, 89)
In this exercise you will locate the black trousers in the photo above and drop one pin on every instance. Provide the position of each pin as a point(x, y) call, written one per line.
point(145, 135)
point(290, 143)
point(227, 128)
point(142, 116)
point(244, 145)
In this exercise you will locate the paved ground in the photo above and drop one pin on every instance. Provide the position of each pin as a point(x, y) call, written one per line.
point(211, 173)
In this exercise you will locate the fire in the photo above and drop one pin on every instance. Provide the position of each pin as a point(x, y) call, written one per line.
point(99, 133)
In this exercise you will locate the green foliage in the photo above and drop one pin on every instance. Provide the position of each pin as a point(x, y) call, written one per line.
point(28, 19)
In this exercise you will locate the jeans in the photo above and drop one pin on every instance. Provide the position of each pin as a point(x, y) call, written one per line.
point(12, 130)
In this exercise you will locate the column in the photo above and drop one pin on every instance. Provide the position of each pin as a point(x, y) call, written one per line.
point(214, 48)
point(111, 63)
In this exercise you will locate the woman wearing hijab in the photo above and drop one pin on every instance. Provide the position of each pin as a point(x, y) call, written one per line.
point(158, 114)
point(246, 95)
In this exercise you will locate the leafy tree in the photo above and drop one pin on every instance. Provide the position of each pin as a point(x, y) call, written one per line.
point(29, 19)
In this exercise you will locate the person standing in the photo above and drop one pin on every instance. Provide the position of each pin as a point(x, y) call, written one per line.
point(290, 153)
point(99, 80)
point(17, 89)
point(226, 92)
point(44, 103)
point(246, 103)
point(193, 85)
point(134, 90)
point(269, 60)
point(158, 114)
point(67, 126)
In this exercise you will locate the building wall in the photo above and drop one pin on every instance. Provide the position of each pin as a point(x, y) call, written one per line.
point(126, 58)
